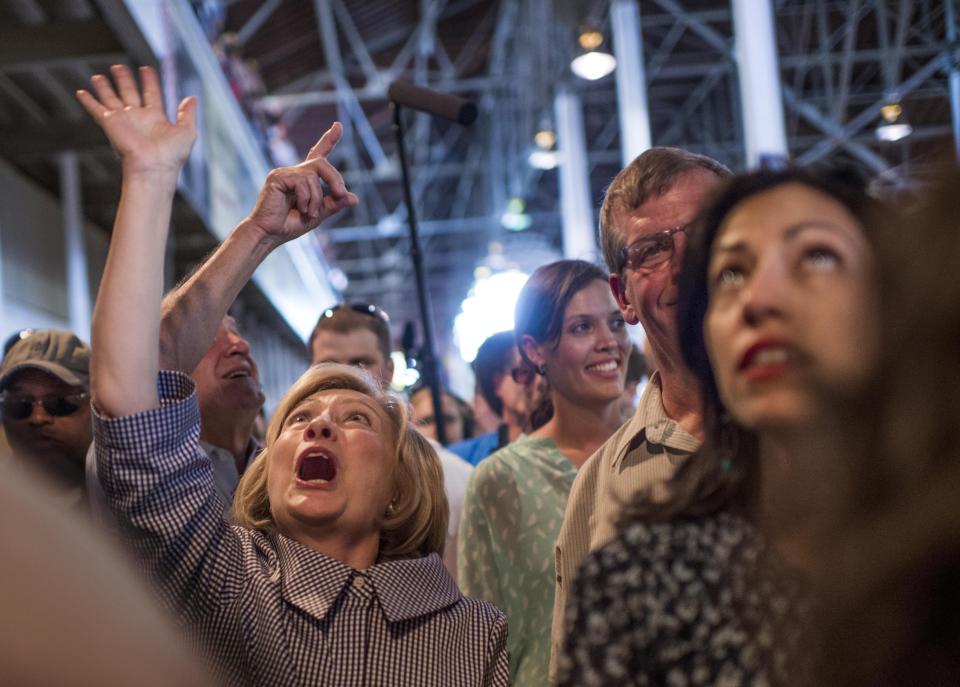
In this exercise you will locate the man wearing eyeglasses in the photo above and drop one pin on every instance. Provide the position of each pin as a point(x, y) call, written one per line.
point(45, 385)
point(643, 225)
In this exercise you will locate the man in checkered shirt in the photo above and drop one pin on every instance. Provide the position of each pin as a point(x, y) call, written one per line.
point(333, 575)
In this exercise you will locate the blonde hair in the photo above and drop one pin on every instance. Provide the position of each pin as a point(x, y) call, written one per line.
point(415, 524)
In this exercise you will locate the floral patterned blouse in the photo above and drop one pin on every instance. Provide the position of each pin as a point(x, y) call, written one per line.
point(511, 520)
point(700, 602)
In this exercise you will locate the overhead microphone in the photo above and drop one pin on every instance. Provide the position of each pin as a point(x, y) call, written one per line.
point(445, 105)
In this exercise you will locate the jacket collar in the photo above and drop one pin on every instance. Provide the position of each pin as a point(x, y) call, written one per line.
point(405, 589)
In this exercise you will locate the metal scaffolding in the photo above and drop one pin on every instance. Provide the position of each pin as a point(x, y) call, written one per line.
point(839, 63)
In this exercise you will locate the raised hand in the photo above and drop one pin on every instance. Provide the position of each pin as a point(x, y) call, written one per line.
point(137, 126)
point(292, 201)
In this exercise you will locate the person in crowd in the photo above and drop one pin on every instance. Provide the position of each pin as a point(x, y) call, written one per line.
point(354, 334)
point(358, 334)
point(332, 571)
point(643, 226)
point(67, 591)
point(497, 359)
point(458, 418)
point(886, 545)
point(777, 318)
point(45, 385)
point(569, 329)
point(230, 399)
point(636, 372)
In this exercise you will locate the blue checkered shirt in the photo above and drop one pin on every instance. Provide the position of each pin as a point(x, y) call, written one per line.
point(269, 610)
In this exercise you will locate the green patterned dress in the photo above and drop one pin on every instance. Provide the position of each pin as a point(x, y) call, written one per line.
point(512, 516)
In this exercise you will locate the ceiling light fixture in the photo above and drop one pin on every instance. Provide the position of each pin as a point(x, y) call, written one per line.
point(592, 63)
point(545, 138)
point(515, 218)
point(894, 126)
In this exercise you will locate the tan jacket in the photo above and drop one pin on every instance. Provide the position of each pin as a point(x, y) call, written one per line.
point(644, 452)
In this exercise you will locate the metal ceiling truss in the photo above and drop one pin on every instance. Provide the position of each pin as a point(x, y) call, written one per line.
point(840, 62)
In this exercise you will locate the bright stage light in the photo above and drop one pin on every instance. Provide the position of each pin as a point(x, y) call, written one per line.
point(486, 310)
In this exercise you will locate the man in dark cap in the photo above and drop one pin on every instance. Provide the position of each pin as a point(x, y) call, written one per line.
point(45, 385)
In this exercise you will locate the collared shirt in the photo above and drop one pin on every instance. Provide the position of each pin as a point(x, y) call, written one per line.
point(644, 452)
point(271, 611)
point(476, 449)
point(225, 474)
point(511, 520)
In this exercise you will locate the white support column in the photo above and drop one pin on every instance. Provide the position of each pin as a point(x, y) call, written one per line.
point(78, 287)
point(4, 325)
point(950, 16)
point(579, 240)
point(759, 75)
point(631, 80)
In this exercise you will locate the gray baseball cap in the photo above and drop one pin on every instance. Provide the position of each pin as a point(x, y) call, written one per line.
point(54, 351)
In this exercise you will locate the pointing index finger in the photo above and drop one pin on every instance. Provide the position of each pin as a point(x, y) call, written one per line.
point(331, 137)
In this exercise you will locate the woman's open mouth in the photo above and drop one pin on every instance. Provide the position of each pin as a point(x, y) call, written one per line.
point(317, 467)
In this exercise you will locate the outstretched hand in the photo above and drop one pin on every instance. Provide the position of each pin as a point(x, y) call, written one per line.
point(292, 200)
point(136, 126)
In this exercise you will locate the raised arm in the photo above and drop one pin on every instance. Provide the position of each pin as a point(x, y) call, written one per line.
point(291, 203)
point(126, 319)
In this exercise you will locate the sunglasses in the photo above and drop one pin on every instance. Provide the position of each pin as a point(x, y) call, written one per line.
point(21, 407)
point(362, 308)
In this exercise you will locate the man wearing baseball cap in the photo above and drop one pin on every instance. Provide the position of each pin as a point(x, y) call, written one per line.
point(45, 399)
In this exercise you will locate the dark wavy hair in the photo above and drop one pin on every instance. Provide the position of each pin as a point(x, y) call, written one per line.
point(494, 359)
point(540, 308)
point(725, 473)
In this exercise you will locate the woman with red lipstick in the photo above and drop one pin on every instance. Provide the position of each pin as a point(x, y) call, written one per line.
point(570, 331)
point(331, 574)
point(777, 320)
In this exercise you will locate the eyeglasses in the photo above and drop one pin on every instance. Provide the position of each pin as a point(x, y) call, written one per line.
point(362, 308)
point(21, 407)
point(651, 251)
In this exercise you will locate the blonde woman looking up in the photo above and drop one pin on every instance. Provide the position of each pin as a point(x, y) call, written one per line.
point(332, 572)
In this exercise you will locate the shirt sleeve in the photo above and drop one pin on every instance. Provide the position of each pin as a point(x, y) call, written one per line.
point(498, 664)
point(159, 483)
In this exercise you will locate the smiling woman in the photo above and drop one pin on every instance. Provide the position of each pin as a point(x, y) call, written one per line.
point(570, 330)
point(332, 573)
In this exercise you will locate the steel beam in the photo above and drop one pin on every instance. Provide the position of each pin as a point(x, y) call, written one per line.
point(871, 113)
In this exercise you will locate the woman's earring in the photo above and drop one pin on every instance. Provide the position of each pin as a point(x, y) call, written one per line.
point(542, 369)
